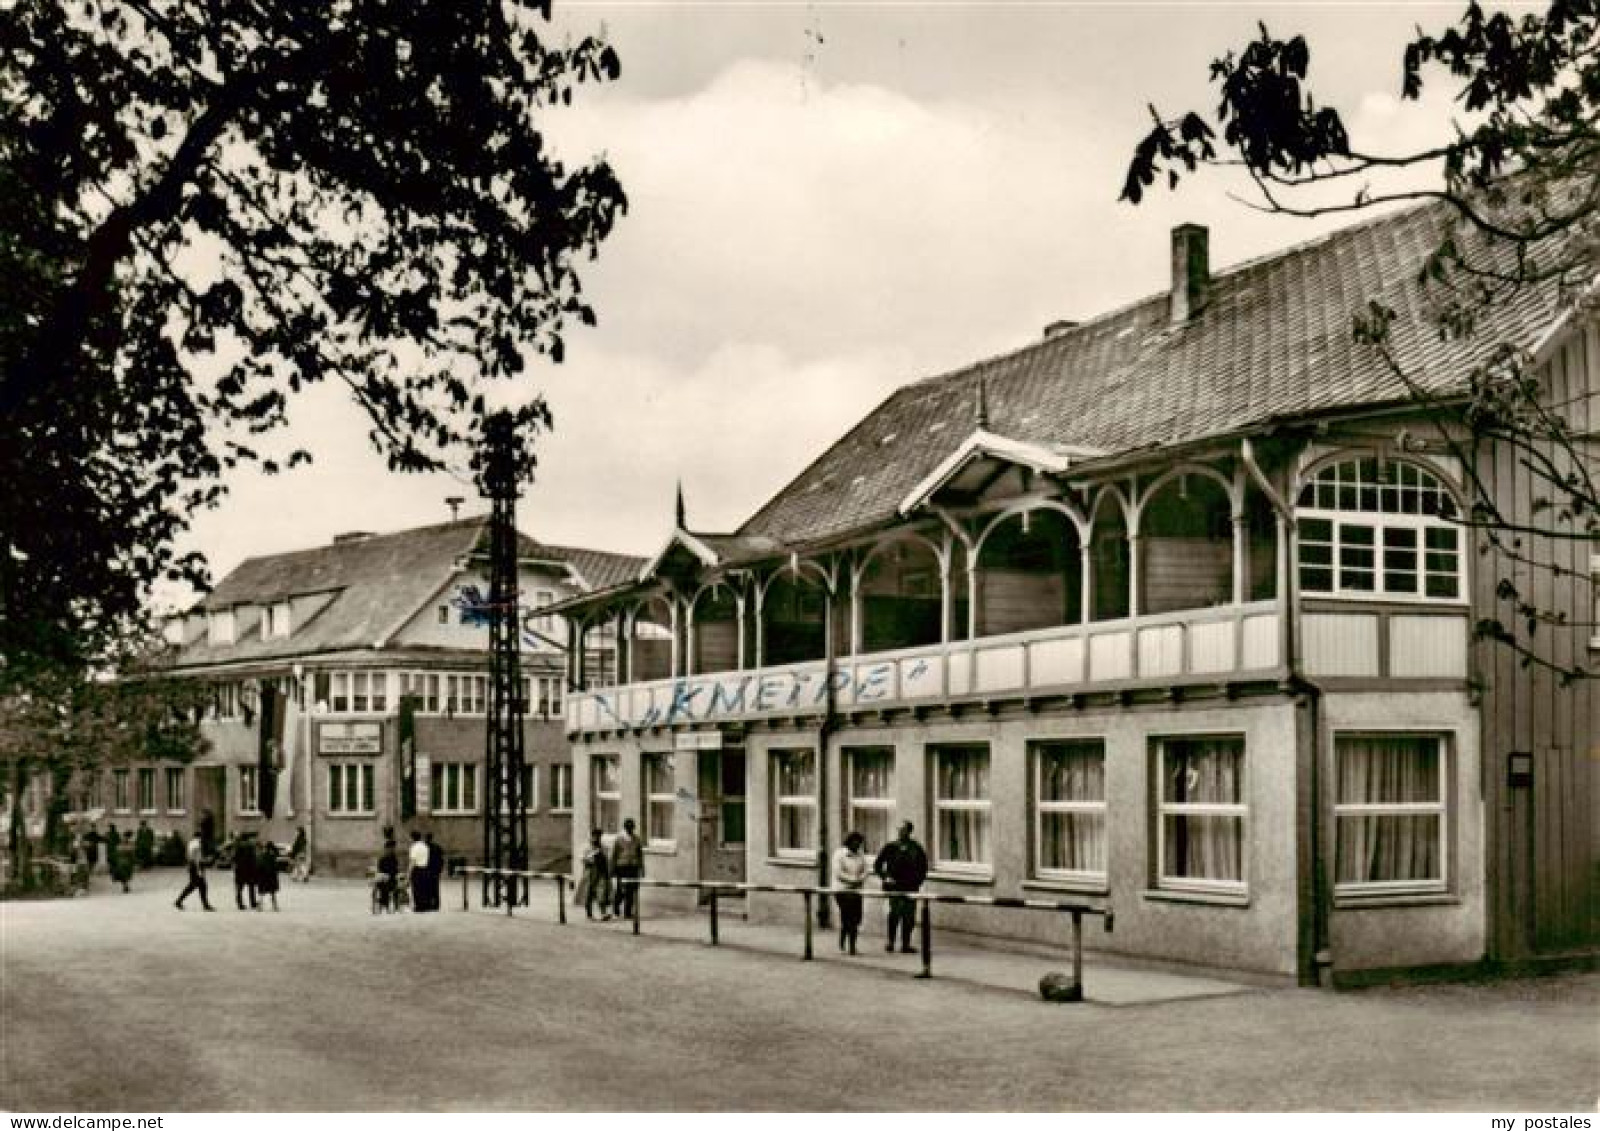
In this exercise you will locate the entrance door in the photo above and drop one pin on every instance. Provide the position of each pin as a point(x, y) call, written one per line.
point(722, 812)
point(211, 796)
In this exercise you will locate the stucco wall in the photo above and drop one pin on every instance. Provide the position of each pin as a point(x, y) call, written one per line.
point(1429, 930)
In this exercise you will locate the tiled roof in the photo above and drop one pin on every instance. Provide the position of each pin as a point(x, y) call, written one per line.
point(376, 584)
point(1273, 342)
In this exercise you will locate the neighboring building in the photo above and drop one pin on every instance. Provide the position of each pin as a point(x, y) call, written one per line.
point(1171, 609)
point(310, 656)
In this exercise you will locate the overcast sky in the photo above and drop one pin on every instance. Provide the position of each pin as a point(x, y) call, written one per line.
point(828, 201)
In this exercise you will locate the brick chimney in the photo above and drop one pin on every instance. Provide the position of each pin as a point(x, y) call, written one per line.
point(1191, 271)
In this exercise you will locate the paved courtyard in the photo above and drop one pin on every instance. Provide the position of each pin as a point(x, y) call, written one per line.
point(118, 1002)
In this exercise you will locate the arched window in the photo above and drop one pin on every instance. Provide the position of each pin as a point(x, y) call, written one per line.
point(716, 631)
point(1379, 531)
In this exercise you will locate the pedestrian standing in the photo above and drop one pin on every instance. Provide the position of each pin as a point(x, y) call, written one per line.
point(849, 874)
point(902, 866)
point(196, 858)
point(267, 873)
point(435, 870)
point(208, 834)
point(120, 861)
point(91, 847)
point(419, 872)
point(244, 871)
point(144, 846)
point(300, 855)
point(388, 878)
point(594, 885)
point(627, 864)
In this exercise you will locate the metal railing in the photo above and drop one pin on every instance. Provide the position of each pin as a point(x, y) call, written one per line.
point(714, 890)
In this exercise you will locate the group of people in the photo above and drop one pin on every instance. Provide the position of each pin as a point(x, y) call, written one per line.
point(424, 870)
point(256, 867)
point(901, 867)
point(604, 880)
point(123, 853)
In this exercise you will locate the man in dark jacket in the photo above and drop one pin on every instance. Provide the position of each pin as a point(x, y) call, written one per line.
point(244, 870)
point(902, 865)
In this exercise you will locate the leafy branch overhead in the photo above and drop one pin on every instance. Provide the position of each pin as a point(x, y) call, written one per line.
point(211, 207)
point(1517, 181)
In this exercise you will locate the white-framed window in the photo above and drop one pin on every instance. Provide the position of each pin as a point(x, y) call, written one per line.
point(225, 700)
point(339, 692)
point(961, 809)
point(869, 794)
point(1381, 532)
point(561, 787)
point(606, 792)
point(794, 803)
point(660, 799)
point(177, 793)
point(1390, 814)
point(455, 787)
point(121, 799)
point(1201, 814)
point(249, 791)
point(1069, 809)
point(147, 790)
point(352, 788)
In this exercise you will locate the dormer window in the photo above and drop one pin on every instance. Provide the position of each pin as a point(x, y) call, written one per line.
point(275, 621)
point(220, 627)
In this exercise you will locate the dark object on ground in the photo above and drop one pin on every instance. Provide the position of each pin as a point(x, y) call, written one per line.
point(1056, 986)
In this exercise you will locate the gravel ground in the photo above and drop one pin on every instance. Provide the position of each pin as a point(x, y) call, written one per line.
point(119, 1003)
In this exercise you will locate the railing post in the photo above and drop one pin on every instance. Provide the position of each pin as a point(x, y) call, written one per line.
point(1077, 955)
point(713, 916)
point(465, 877)
point(635, 901)
point(807, 895)
point(925, 922)
point(508, 885)
point(561, 899)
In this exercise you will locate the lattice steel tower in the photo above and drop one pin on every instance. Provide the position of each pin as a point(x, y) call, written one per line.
point(501, 467)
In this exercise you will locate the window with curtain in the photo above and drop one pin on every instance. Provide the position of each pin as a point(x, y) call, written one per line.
point(1380, 531)
point(869, 794)
point(606, 792)
point(1389, 814)
point(961, 809)
point(1202, 812)
point(120, 800)
point(794, 803)
point(147, 790)
point(1069, 831)
point(176, 798)
point(660, 799)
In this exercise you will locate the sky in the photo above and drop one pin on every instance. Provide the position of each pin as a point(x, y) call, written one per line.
point(828, 201)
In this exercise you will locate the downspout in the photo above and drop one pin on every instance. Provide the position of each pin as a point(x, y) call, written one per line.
point(1300, 684)
point(825, 731)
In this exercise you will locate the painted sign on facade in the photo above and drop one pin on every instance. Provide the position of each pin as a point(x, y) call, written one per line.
point(350, 738)
point(733, 695)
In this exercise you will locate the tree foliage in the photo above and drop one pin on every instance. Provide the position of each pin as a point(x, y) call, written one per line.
point(212, 206)
point(1518, 182)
